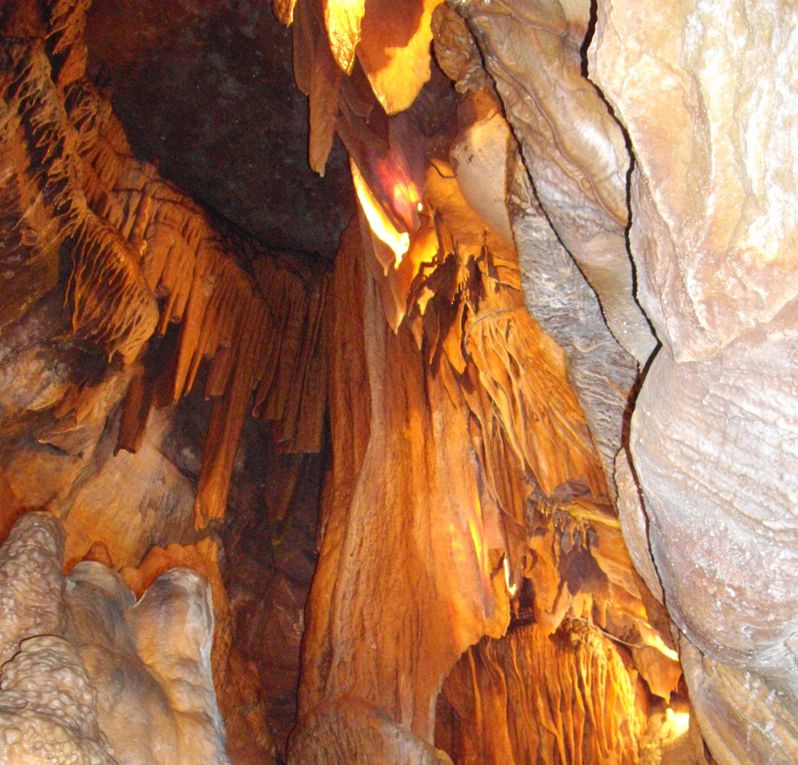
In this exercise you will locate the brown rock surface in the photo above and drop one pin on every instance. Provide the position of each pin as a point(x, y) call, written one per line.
point(522, 446)
point(529, 698)
point(536, 179)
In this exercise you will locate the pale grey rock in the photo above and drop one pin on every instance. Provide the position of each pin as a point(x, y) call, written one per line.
point(743, 718)
point(135, 712)
point(707, 93)
point(559, 298)
point(634, 524)
point(573, 148)
point(31, 581)
point(715, 448)
point(90, 676)
point(48, 708)
point(172, 626)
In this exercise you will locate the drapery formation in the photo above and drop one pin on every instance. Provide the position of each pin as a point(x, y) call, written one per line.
point(460, 455)
point(142, 258)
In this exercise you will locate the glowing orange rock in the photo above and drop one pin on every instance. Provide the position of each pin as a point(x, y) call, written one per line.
point(342, 19)
point(394, 50)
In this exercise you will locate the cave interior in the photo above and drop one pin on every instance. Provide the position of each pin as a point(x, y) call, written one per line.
point(398, 381)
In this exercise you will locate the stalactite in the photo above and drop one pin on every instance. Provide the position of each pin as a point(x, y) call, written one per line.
point(227, 420)
point(284, 10)
point(111, 307)
point(110, 303)
point(144, 257)
point(29, 236)
point(532, 698)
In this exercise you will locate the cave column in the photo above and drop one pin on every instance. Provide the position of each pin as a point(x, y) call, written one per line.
point(403, 583)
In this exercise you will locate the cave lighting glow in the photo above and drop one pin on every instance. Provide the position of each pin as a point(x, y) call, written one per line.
point(511, 588)
point(679, 722)
point(405, 198)
point(655, 641)
point(380, 224)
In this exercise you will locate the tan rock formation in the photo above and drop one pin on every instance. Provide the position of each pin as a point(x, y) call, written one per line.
point(528, 698)
point(96, 676)
point(701, 92)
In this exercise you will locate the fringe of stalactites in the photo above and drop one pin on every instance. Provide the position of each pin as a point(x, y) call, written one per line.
point(33, 181)
point(260, 333)
point(111, 307)
point(65, 39)
point(133, 237)
point(530, 697)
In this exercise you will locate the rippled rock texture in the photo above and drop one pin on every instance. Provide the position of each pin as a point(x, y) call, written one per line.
point(90, 675)
point(707, 95)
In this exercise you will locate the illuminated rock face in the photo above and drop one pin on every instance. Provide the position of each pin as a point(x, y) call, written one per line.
point(95, 676)
point(700, 91)
point(464, 493)
point(528, 698)
point(565, 196)
point(463, 460)
point(708, 97)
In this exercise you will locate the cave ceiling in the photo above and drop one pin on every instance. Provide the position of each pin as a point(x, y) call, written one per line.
point(206, 91)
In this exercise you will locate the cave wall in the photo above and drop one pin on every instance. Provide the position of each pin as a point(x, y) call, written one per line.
point(118, 289)
point(709, 264)
point(709, 449)
point(490, 394)
point(716, 462)
point(461, 454)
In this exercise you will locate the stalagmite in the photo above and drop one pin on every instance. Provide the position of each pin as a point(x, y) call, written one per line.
point(96, 676)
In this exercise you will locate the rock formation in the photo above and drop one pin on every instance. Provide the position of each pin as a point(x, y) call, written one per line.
point(714, 251)
point(90, 674)
point(518, 483)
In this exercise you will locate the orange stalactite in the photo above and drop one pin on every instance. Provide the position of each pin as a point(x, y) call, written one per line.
point(396, 72)
point(379, 222)
point(342, 20)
